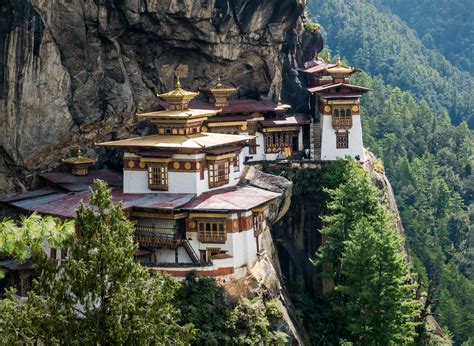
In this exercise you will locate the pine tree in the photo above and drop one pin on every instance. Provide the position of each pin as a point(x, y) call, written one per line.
point(379, 305)
point(373, 302)
point(99, 294)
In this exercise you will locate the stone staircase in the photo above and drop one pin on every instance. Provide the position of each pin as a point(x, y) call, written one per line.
point(315, 140)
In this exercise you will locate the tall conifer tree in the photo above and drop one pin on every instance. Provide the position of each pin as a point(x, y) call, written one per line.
point(98, 294)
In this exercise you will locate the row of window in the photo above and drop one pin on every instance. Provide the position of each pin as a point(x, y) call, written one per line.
point(212, 231)
point(277, 141)
point(218, 174)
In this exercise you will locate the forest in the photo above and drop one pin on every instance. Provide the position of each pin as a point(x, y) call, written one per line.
point(416, 121)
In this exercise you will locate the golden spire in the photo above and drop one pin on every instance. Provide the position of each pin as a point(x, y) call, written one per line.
point(178, 83)
point(319, 57)
point(328, 57)
point(338, 62)
point(219, 82)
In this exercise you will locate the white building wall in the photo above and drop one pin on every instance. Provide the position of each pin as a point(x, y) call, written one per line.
point(328, 140)
point(136, 181)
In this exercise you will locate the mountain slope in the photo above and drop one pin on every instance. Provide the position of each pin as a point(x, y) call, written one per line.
point(382, 44)
point(444, 25)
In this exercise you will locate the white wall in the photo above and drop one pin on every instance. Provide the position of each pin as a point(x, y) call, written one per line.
point(328, 140)
point(136, 181)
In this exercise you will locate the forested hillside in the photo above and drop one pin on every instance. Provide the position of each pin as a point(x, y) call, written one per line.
point(382, 44)
point(444, 25)
point(408, 117)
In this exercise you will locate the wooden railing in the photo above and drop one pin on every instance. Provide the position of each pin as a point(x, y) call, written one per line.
point(212, 237)
point(150, 236)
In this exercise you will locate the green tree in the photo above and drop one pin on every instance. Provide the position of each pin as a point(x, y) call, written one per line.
point(99, 294)
point(379, 302)
point(373, 302)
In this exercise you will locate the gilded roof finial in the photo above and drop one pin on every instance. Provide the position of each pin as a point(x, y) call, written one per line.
point(319, 57)
point(219, 81)
point(79, 152)
point(178, 83)
point(338, 62)
point(328, 57)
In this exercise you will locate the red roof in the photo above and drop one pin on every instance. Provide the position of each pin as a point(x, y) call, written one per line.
point(71, 182)
point(321, 88)
point(238, 198)
point(65, 204)
point(319, 67)
point(290, 120)
point(237, 106)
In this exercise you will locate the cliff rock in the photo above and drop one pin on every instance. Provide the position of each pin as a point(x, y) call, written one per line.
point(75, 72)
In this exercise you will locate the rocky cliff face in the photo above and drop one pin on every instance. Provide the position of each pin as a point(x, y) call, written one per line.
point(74, 72)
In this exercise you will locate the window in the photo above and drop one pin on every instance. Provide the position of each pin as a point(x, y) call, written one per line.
point(52, 253)
point(218, 173)
point(253, 147)
point(158, 177)
point(236, 163)
point(258, 223)
point(342, 118)
point(212, 231)
point(342, 140)
point(277, 141)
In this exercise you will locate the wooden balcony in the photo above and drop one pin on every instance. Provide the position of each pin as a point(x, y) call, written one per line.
point(342, 122)
point(212, 237)
point(157, 237)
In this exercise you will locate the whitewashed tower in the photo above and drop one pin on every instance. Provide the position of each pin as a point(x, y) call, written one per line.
point(337, 128)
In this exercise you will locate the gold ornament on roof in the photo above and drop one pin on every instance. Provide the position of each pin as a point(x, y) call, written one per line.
point(219, 93)
point(178, 98)
point(328, 57)
point(79, 164)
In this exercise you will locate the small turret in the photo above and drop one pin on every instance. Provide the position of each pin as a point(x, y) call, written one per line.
point(178, 98)
point(219, 94)
point(79, 164)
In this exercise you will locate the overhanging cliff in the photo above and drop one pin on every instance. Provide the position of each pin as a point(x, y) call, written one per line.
point(75, 72)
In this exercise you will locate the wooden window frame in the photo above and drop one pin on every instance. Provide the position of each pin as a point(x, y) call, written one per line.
point(277, 141)
point(212, 231)
point(158, 180)
point(342, 140)
point(218, 173)
point(236, 163)
point(341, 117)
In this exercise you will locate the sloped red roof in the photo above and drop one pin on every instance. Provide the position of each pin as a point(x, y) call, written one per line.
point(65, 204)
point(238, 198)
point(321, 88)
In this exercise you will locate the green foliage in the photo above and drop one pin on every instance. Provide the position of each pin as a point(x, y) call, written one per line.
point(24, 239)
point(373, 302)
point(445, 26)
point(248, 324)
point(383, 45)
point(201, 303)
point(99, 294)
point(429, 163)
point(311, 26)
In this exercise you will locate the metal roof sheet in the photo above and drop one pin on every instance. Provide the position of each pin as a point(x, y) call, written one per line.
point(75, 183)
point(65, 205)
point(239, 198)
